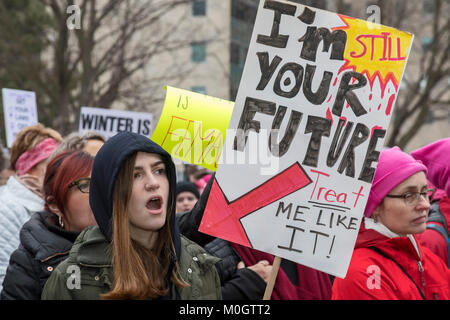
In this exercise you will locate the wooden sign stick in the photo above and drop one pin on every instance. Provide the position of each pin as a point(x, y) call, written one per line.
point(273, 277)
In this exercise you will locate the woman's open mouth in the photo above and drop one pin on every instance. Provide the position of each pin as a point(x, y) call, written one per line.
point(154, 205)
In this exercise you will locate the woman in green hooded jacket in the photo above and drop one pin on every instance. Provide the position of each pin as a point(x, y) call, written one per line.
point(136, 251)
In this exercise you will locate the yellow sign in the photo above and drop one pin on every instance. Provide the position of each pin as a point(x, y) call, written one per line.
point(192, 126)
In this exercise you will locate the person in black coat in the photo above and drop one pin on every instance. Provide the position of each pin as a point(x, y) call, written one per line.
point(32, 263)
point(48, 236)
point(238, 282)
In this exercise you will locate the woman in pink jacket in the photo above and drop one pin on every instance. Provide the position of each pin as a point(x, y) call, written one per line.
point(388, 262)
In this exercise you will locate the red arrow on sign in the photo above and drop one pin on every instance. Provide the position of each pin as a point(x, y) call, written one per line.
point(222, 217)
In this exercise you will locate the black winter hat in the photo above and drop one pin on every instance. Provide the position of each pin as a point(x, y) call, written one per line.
point(183, 186)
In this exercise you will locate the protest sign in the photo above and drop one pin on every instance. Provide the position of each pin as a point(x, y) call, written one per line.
point(192, 126)
point(110, 121)
point(19, 110)
point(317, 94)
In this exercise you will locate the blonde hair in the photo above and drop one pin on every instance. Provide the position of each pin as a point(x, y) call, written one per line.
point(28, 138)
point(139, 273)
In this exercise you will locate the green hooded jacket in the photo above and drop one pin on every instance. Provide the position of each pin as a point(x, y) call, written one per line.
point(87, 272)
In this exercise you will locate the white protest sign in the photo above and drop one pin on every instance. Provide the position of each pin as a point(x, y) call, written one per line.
point(19, 110)
point(314, 103)
point(109, 121)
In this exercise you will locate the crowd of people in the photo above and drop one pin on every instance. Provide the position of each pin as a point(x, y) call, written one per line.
point(113, 211)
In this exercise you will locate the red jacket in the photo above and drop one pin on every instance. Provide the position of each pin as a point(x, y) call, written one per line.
point(372, 276)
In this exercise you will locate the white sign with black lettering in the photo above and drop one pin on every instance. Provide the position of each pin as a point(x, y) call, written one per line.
point(109, 122)
point(317, 102)
point(19, 110)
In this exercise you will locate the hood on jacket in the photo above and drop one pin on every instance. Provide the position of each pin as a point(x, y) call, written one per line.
point(375, 234)
point(435, 157)
point(107, 164)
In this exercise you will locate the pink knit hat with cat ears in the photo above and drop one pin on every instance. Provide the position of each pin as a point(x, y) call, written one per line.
point(394, 167)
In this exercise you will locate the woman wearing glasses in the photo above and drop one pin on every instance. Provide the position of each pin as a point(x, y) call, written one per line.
point(388, 262)
point(48, 236)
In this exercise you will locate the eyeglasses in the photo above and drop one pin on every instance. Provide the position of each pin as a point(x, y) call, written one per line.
point(413, 198)
point(82, 184)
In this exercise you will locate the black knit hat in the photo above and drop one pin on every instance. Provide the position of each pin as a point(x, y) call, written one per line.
point(183, 186)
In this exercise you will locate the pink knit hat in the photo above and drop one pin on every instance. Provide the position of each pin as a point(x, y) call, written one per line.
point(436, 156)
point(394, 166)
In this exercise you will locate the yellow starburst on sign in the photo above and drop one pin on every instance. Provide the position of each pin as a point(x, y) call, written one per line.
point(375, 50)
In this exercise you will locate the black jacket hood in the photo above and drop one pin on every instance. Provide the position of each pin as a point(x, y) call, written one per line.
point(108, 161)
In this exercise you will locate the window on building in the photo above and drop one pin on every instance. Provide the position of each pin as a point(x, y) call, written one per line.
point(243, 11)
point(238, 10)
point(234, 90)
point(235, 79)
point(199, 8)
point(198, 53)
point(429, 117)
point(238, 54)
point(426, 43)
point(428, 6)
point(235, 53)
point(199, 89)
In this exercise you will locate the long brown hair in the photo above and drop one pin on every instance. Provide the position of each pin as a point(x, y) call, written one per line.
point(139, 273)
